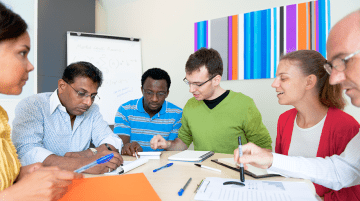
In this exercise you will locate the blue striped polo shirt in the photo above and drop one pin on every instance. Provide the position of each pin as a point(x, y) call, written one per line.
point(132, 120)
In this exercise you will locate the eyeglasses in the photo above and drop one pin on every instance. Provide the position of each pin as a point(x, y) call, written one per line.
point(83, 95)
point(197, 85)
point(158, 94)
point(339, 64)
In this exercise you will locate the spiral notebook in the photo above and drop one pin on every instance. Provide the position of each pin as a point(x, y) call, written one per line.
point(191, 156)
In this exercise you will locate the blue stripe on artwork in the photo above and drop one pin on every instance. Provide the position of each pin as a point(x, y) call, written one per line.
point(263, 44)
point(202, 36)
point(268, 46)
point(251, 45)
point(328, 13)
point(254, 44)
point(247, 53)
point(275, 41)
point(257, 45)
point(322, 28)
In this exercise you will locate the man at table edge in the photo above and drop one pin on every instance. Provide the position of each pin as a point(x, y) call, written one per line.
point(334, 172)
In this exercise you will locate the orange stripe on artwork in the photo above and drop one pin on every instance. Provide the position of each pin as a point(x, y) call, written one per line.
point(302, 26)
point(235, 45)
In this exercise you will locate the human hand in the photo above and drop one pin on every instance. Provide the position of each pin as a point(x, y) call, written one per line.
point(158, 142)
point(44, 183)
point(85, 153)
point(109, 166)
point(131, 148)
point(254, 155)
point(28, 169)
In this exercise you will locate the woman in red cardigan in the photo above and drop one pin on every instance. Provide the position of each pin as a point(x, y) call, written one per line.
point(317, 126)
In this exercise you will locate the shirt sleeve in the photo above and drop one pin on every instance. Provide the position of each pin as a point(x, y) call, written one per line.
point(333, 172)
point(184, 131)
point(255, 130)
point(177, 125)
point(101, 132)
point(28, 132)
point(122, 126)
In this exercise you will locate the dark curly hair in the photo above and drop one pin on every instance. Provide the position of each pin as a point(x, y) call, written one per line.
point(156, 74)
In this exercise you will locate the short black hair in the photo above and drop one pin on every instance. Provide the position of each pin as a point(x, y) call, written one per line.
point(11, 24)
point(156, 74)
point(209, 58)
point(82, 69)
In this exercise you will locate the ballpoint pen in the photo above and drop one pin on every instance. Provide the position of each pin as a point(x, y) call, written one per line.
point(165, 166)
point(181, 191)
point(242, 178)
point(101, 160)
point(136, 155)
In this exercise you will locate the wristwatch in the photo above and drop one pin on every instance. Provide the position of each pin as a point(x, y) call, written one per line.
point(93, 150)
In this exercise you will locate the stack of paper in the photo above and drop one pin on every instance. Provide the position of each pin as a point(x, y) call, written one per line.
point(150, 154)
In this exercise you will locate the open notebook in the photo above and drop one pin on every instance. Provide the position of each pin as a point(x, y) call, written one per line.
point(127, 166)
point(252, 171)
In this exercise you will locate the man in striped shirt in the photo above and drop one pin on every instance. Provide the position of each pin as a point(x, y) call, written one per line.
point(137, 121)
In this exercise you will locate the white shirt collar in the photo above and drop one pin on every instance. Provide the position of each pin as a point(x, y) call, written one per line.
point(55, 102)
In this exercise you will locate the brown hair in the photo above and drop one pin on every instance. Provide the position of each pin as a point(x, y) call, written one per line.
point(312, 62)
point(209, 58)
point(11, 24)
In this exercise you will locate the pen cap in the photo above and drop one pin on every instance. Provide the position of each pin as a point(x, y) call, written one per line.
point(181, 192)
point(239, 139)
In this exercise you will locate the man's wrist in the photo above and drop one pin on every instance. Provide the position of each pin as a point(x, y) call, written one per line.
point(168, 144)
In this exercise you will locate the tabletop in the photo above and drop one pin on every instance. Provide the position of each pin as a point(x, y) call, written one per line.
point(168, 181)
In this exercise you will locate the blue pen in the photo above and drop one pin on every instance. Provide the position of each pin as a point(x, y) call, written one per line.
point(101, 160)
point(165, 166)
point(181, 191)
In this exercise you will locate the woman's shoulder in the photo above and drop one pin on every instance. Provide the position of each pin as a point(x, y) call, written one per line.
point(340, 117)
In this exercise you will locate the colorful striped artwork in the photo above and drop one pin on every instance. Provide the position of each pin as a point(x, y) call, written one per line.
point(251, 44)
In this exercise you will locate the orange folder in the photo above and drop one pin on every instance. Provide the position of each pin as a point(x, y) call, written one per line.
point(119, 187)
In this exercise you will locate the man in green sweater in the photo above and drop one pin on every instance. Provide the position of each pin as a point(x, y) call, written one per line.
point(214, 118)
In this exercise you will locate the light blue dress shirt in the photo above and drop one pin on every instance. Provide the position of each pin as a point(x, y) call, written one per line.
point(42, 127)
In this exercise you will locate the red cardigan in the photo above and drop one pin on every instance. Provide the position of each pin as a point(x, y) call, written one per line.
point(339, 128)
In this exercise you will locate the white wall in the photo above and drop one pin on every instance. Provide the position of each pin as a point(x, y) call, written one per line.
point(166, 30)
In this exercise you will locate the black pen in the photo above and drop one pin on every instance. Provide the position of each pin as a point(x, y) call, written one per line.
point(242, 177)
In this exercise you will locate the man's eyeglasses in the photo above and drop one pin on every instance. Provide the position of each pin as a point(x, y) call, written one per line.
point(197, 85)
point(83, 95)
point(158, 94)
point(339, 64)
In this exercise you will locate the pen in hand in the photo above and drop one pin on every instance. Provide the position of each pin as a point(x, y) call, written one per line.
point(101, 160)
point(242, 177)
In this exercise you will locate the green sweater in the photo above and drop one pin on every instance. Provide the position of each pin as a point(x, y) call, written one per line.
point(217, 129)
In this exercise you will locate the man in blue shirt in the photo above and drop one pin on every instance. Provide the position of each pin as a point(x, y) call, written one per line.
point(137, 121)
point(56, 128)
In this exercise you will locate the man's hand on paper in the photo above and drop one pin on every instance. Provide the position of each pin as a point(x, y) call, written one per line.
point(114, 163)
point(254, 155)
point(131, 148)
point(158, 142)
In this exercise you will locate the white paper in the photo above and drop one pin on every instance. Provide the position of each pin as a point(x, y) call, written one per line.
point(212, 188)
point(128, 165)
point(188, 155)
point(150, 154)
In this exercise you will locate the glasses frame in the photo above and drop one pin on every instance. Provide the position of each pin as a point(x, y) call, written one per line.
point(329, 66)
point(198, 85)
point(85, 96)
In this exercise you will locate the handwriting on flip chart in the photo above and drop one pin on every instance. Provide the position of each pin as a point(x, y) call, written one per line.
point(120, 63)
